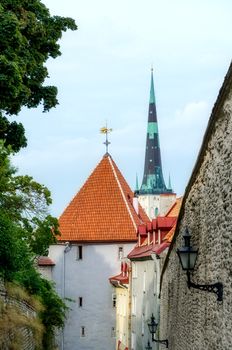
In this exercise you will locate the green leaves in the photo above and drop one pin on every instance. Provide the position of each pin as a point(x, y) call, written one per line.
point(28, 37)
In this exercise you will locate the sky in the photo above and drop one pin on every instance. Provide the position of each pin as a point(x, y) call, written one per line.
point(104, 74)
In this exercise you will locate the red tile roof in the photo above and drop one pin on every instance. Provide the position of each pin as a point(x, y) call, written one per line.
point(45, 261)
point(175, 208)
point(170, 234)
point(102, 210)
point(166, 224)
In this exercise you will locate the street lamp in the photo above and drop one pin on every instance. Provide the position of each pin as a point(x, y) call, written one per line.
point(152, 325)
point(153, 328)
point(188, 257)
point(148, 347)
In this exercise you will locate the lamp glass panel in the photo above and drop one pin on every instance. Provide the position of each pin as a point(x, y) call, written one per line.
point(184, 259)
point(193, 258)
point(187, 258)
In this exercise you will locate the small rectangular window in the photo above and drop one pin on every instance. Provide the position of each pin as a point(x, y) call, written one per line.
point(80, 301)
point(134, 270)
point(134, 305)
point(143, 323)
point(144, 281)
point(133, 341)
point(79, 252)
point(114, 300)
point(82, 331)
point(113, 335)
point(120, 253)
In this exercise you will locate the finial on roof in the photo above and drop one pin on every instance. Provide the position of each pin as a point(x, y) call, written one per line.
point(105, 130)
point(152, 91)
point(136, 185)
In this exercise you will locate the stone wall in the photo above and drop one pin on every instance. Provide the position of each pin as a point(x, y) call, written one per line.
point(192, 319)
point(17, 324)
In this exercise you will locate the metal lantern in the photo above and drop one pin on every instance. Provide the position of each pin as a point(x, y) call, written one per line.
point(153, 325)
point(187, 254)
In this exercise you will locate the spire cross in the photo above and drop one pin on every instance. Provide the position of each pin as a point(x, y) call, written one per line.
point(106, 131)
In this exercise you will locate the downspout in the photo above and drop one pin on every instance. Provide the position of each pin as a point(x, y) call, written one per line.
point(67, 248)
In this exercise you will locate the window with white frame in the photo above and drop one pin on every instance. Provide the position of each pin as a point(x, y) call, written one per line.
point(133, 341)
point(144, 281)
point(134, 270)
point(143, 324)
point(155, 283)
point(134, 305)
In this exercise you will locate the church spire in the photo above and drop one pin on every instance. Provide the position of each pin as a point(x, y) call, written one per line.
point(152, 90)
point(153, 181)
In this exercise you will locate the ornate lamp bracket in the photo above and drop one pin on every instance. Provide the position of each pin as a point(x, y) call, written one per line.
point(216, 288)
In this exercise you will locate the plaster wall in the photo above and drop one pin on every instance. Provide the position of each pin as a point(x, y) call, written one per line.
point(45, 271)
point(88, 279)
point(155, 205)
point(192, 319)
point(144, 299)
point(122, 317)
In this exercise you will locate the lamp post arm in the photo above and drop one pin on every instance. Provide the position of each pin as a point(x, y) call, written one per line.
point(216, 288)
point(164, 342)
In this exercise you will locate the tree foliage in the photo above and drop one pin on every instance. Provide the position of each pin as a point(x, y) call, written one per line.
point(28, 37)
point(26, 231)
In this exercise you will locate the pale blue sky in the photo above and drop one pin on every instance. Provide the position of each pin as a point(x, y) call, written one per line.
point(104, 73)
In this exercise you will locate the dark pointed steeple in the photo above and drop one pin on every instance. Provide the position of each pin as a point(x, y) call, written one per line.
point(153, 181)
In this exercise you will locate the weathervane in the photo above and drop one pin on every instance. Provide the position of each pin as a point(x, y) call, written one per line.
point(106, 131)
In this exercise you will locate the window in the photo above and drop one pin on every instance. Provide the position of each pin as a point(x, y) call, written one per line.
point(133, 341)
point(79, 252)
point(80, 301)
point(134, 270)
point(114, 299)
point(82, 331)
point(113, 335)
point(144, 281)
point(134, 305)
point(120, 253)
point(142, 324)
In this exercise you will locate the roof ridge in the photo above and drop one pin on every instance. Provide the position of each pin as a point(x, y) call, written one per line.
point(123, 194)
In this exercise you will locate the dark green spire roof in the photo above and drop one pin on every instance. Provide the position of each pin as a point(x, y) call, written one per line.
point(152, 90)
point(153, 181)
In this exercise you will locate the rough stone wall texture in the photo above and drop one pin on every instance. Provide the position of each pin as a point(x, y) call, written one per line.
point(192, 319)
point(26, 335)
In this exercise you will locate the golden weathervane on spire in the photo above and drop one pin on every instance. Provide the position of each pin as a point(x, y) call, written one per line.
point(105, 130)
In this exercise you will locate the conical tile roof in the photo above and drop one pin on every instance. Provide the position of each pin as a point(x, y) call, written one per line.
point(103, 208)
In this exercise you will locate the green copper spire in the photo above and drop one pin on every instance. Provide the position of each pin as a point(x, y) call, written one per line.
point(153, 181)
point(152, 90)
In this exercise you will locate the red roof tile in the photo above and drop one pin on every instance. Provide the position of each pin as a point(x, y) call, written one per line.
point(102, 210)
point(170, 234)
point(45, 261)
point(175, 208)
